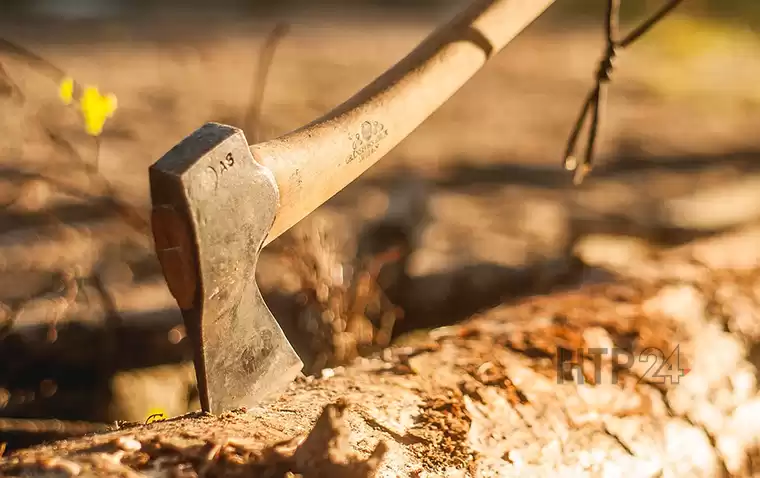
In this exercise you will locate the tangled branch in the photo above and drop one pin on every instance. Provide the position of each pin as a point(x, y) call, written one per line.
point(596, 98)
point(252, 118)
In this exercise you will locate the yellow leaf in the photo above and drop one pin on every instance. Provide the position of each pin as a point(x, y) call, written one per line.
point(96, 108)
point(66, 90)
point(155, 414)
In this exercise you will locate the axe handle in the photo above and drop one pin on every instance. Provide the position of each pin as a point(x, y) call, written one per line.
point(313, 163)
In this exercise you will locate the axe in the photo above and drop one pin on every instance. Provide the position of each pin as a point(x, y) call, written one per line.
point(216, 201)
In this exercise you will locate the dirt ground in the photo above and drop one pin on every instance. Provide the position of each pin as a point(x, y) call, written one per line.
point(486, 212)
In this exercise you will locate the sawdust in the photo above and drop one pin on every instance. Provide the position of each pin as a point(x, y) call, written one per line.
point(442, 428)
point(323, 452)
point(345, 312)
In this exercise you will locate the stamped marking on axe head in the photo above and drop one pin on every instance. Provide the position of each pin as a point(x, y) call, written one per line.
point(218, 201)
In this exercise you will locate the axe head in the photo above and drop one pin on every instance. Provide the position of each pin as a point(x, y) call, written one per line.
point(213, 206)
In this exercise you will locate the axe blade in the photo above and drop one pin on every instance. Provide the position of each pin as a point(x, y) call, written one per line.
point(213, 206)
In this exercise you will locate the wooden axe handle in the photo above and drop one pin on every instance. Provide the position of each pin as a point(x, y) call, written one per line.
point(313, 163)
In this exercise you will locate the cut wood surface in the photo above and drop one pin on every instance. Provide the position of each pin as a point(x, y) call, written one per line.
point(483, 398)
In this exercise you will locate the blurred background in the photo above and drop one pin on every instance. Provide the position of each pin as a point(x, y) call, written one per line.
point(472, 210)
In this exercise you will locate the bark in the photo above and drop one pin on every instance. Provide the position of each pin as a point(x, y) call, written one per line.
point(484, 398)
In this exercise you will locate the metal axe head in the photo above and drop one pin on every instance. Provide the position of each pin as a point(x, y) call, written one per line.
point(213, 206)
point(217, 201)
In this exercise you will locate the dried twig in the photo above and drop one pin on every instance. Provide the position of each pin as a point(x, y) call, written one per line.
point(252, 119)
point(647, 25)
point(113, 319)
point(596, 98)
point(9, 87)
point(346, 312)
point(130, 214)
point(50, 426)
point(42, 65)
point(7, 318)
point(57, 303)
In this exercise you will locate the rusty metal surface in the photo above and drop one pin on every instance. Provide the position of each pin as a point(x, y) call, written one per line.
point(211, 184)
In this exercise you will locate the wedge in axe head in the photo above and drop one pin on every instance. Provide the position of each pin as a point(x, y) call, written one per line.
point(217, 201)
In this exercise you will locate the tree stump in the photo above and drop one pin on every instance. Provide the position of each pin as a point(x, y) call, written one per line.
point(653, 374)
